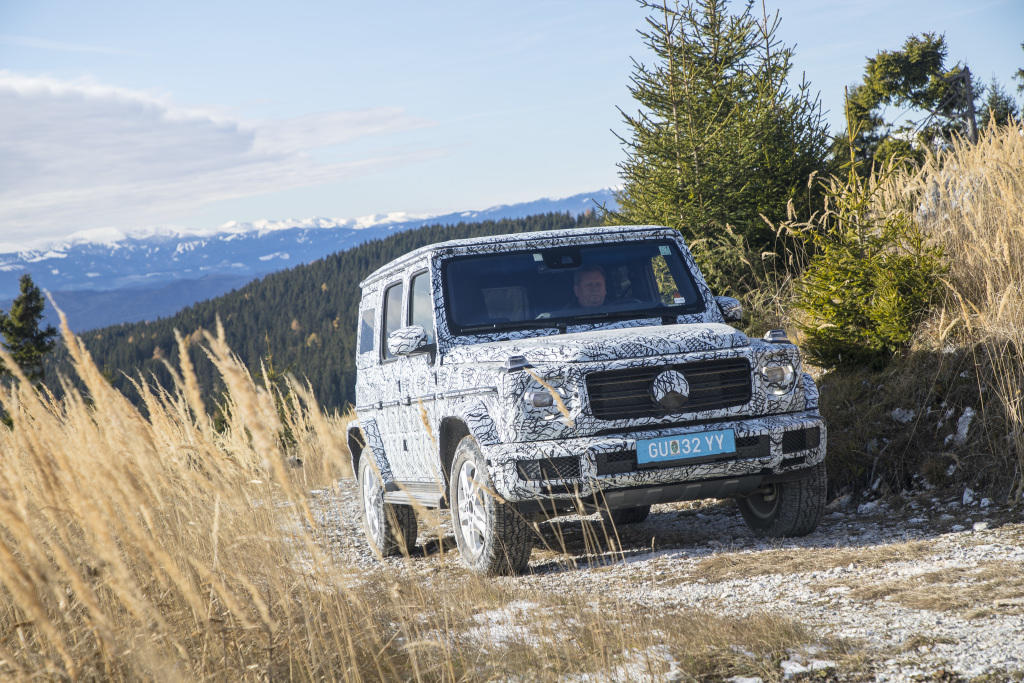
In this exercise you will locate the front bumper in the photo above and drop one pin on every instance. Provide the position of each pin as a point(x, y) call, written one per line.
point(605, 466)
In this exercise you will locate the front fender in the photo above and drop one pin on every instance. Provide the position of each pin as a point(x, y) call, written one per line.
point(810, 393)
point(476, 413)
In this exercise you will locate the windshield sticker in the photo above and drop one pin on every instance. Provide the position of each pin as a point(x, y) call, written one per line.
point(538, 257)
point(679, 299)
point(665, 251)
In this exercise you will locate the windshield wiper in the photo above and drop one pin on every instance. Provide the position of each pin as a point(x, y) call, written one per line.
point(560, 323)
point(622, 315)
point(497, 327)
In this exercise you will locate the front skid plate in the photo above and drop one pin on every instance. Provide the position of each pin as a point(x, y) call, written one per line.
point(665, 493)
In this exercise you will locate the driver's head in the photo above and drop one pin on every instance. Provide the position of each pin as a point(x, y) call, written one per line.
point(588, 285)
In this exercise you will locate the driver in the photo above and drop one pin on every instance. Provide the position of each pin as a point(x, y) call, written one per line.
point(588, 286)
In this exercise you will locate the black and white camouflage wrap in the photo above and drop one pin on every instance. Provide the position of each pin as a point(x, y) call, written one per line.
point(668, 387)
point(406, 339)
point(402, 402)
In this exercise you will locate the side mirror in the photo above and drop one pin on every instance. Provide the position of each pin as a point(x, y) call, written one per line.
point(406, 340)
point(732, 309)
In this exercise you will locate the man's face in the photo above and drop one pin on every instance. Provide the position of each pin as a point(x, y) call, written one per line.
point(590, 289)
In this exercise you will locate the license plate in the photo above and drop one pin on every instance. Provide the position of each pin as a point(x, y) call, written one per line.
point(685, 446)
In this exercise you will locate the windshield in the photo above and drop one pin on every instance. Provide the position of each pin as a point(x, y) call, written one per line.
point(568, 285)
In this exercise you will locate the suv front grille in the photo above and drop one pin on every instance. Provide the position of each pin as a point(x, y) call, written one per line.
point(626, 394)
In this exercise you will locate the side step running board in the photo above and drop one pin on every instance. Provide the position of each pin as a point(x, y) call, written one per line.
point(427, 494)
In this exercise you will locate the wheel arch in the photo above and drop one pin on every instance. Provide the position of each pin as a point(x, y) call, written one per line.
point(368, 433)
point(452, 430)
point(356, 443)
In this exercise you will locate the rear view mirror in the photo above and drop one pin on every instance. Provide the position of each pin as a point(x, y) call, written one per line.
point(732, 309)
point(406, 340)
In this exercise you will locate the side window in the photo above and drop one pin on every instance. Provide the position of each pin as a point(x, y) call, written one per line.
point(392, 314)
point(421, 304)
point(366, 330)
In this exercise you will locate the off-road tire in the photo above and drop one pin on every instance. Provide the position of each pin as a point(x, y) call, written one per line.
point(389, 529)
point(786, 509)
point(501, 542)
point(633, 515)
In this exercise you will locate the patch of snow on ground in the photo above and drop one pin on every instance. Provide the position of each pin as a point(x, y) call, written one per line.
point(639, 665)
point(507, 624)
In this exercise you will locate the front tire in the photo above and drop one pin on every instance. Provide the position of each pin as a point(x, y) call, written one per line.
point(787, 509)
point(389, 529)
point(492, 536)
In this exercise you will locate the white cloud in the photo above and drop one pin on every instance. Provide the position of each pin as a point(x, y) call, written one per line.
point(83, 155)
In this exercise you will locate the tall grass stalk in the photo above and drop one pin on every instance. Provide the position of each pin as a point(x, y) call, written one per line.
point(970, 199)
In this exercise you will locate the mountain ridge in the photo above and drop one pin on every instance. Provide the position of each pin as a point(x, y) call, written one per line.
point(99, 283)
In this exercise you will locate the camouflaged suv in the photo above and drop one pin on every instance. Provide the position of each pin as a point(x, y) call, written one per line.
point(523, 376)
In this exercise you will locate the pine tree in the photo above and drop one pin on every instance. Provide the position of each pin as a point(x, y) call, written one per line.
point(935, 102)
point(23, 338)
point(999, 107)
point(719, 139)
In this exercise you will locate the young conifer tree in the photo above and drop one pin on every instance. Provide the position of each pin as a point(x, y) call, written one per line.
point(719, 138)
point(23, 338)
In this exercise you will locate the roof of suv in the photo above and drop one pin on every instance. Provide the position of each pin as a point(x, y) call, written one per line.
point(511, 239)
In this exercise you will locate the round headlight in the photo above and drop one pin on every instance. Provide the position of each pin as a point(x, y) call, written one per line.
point(779, 377)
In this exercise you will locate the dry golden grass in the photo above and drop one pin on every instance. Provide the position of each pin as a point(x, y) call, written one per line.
point(152, 545)
point(970, 200)
point(990, 588)
point(727, 566)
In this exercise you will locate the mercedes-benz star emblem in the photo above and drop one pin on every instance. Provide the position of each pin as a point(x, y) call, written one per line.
point(670, 390)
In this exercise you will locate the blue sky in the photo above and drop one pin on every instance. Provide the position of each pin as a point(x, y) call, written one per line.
point(126, 116)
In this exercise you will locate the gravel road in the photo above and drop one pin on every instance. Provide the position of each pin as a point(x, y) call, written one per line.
point(927, 587)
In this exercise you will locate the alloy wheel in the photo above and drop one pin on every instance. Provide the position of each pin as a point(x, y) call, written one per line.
point(472, 509)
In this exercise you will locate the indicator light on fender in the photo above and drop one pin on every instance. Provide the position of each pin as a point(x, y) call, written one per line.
point(539, 398)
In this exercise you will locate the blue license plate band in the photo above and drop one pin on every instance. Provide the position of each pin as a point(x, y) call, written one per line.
point(685, 446)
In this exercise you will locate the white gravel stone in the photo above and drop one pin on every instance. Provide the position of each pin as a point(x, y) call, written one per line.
point(963, 425)
point(902, 415)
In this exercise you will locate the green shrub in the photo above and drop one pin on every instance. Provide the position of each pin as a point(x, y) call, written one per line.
point(731, 266)
point(871, 278)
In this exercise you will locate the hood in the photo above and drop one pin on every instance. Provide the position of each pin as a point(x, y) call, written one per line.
point(602, 345)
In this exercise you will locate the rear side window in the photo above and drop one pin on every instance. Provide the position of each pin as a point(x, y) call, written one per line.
point(421, 305)
point(392, 314)
point(366, 330)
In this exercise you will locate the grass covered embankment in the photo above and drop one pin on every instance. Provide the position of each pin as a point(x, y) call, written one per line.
point(948, 409)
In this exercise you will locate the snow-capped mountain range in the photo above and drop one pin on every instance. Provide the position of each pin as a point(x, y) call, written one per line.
point(102, 279)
